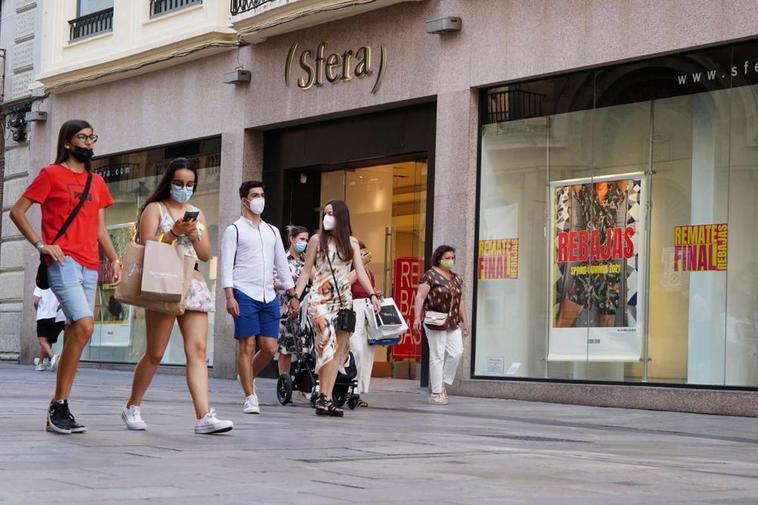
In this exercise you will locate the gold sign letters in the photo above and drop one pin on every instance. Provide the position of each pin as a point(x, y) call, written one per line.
point(314, 68)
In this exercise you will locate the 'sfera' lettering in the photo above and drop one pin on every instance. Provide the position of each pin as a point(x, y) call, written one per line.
point(363, 68)
point(306, 65)
point(320, 66)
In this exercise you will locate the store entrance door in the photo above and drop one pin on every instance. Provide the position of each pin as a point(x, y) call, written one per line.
point(387, 203)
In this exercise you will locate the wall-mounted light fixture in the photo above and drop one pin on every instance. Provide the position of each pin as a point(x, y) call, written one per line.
point(17, 121)
point(238, 76)
point(35, 115)
point(448, 24)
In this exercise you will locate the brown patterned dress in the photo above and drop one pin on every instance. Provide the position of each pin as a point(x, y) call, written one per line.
point(444, 296)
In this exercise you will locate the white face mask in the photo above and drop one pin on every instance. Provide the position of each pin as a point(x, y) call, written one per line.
point(329, 222)
point(257, 205)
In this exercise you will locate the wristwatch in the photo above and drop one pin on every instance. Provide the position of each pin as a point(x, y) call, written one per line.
point(39, 244)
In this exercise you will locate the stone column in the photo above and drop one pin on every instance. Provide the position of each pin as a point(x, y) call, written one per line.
point(455, 165)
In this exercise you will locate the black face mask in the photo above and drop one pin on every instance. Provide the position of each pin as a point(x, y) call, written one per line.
point(81, 154)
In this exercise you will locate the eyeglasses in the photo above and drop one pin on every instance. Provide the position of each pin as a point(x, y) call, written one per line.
point(85, 138)
point(190, 185)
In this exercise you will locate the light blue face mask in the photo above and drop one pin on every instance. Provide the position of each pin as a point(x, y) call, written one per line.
point(300, 246)
point(181, 194)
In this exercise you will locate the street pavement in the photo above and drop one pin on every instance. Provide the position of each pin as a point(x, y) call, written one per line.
point(399, 450)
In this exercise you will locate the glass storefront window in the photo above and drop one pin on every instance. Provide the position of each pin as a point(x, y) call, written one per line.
point(119, 335)
point(616, 224)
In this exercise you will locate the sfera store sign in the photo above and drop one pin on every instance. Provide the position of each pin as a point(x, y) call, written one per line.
point(309, 68)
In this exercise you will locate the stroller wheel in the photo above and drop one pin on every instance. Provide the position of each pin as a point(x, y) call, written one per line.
point(284, 388)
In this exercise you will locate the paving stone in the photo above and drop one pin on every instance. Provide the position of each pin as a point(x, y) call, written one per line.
point(400, 450)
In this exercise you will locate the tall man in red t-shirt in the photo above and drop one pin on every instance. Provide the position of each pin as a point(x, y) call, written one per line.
point(72, 260)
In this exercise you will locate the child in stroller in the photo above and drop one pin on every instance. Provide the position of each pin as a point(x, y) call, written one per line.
point(297, 340)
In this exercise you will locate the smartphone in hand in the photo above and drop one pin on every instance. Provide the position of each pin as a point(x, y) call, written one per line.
point(191, 215)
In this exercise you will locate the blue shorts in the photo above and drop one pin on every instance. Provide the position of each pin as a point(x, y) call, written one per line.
point(74, 286)
point(256, 319)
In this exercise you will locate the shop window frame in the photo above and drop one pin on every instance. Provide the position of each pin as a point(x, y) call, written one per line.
point(484, 119)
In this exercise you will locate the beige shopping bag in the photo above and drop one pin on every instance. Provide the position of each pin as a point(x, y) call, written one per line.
point(130, 289)
point(162, 272)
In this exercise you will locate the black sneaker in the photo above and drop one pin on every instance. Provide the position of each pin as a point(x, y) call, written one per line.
point(76, 427)
point(59, 418)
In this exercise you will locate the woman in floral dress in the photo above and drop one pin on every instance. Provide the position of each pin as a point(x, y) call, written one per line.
point(333, 252)
point(162, 219)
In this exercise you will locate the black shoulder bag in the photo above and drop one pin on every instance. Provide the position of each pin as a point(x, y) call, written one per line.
point(345, 317)
point(41, 280)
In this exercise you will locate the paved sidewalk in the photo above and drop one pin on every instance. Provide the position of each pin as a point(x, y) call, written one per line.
point(399, 450)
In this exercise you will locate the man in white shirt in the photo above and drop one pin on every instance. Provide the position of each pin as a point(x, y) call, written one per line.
point(251, 250)
point(50, 323)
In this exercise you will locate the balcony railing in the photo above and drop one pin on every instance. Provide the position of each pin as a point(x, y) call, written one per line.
point(240, 6)
point(511, 104)
point(158, 7)
point(91, 24)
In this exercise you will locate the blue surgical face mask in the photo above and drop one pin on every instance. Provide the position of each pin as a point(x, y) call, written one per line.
point(181, 194)
point(300, 246)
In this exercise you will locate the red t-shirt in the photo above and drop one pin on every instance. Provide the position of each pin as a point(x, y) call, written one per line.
point(357, 288)
point(57, 189)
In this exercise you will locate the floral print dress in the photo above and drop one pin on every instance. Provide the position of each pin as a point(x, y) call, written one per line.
point(326, 300)
point(199, 298)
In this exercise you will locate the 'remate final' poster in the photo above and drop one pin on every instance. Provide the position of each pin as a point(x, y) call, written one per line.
point(597, 254)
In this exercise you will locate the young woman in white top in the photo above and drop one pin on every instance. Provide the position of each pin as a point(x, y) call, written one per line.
point(162, 218)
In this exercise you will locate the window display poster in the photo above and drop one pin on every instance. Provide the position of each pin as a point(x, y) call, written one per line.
point(597, 254)
point(701, 247)
point(407, 274)
point(498, 259)
point(112, 318)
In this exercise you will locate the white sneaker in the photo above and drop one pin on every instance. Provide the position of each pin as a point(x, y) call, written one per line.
point(211, 424)
point(54, 362)
point(251, 405)
point(40, 367)
point(133, 418)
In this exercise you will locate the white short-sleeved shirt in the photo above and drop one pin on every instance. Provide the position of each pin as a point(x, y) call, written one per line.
point(48, 307)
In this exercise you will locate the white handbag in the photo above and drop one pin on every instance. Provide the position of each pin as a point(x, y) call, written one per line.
point(432, 319)
point(386, 326)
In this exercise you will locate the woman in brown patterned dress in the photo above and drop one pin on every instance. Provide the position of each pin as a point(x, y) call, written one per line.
point(440, 290)
point(333, 251)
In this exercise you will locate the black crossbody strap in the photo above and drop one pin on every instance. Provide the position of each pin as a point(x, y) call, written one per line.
point(75, 211)
point(336, 286)
point(238, 245)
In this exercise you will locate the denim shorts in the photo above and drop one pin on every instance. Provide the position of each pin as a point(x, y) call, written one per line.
point(256, 319)
point(74, 286)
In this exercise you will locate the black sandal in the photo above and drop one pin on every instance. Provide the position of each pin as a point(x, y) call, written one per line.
point(326, 407)
point(334, 410)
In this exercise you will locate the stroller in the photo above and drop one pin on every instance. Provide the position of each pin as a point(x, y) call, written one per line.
point(298, 339)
